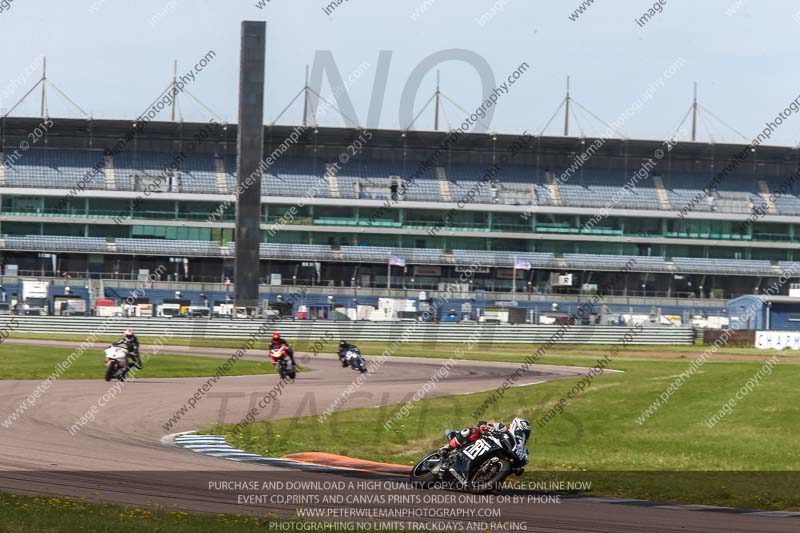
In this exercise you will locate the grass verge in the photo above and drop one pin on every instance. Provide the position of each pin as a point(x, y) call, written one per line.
point(416, 349)
point(671, 456)
point(38, 362)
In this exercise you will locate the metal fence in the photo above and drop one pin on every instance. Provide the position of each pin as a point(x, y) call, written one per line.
point(356, 331)
point(626, 297)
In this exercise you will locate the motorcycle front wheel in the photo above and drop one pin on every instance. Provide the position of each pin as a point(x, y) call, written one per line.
point(422, 474)
point(287, 373)
point(109, 372)
point(489, 475)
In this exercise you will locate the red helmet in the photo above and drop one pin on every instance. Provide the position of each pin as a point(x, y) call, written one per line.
point(276, 336)
point(129, 332)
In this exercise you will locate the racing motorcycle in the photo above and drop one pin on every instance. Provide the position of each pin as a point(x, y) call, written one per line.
point(478, 467)
point(116, 363)
point(286, 369)
point(355, 360)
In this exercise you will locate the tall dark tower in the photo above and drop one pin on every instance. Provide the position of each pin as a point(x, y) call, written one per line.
point(250, 151)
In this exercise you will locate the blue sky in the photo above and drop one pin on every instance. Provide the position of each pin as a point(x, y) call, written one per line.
point(114, 62)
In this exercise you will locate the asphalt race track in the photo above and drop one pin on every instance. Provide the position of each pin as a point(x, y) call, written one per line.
point(119, 457)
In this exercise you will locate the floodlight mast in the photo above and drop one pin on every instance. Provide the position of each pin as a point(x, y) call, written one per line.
point(566, 111)
point(694, 114)
point(44, 86)
point(174, 85)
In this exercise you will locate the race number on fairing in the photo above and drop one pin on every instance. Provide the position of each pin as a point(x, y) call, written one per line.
point(479, 448)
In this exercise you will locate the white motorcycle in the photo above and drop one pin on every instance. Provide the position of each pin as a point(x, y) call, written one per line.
point(116, 363)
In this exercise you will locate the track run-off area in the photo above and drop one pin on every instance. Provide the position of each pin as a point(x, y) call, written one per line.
point(119, 456)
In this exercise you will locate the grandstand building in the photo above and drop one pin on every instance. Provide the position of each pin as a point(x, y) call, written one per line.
point(334, 211)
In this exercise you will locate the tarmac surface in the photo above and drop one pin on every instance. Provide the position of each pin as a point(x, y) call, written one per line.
point(119, 456)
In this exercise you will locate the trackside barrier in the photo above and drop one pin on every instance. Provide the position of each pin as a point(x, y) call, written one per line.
point(356, 331)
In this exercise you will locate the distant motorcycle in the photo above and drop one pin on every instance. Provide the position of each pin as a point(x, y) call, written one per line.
point(478, 467)
point(355, 360)
point(280, 356)
point(116, 363)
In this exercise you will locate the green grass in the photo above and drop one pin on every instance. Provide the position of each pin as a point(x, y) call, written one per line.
point(411, 349)
point(39, 362)
point(24, 514)
point(597, 437)
point(564, 353)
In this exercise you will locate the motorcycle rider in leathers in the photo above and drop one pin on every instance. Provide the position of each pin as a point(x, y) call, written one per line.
point(131, 343)
point(519, 428)
point(344, 347)
point(277, 342)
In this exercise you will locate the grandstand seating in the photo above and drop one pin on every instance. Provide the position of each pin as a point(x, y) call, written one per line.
point(130, 166)
point(300, 252)
point(789, 266)
point(730, 266)
point(167, 247)
point(504, 259)
point(788, 201)
point(198, 174)
point(380, 254)
point(368, 179)
point(589, 261)
point(53, 168)
point(523, 186)
point(55, 244)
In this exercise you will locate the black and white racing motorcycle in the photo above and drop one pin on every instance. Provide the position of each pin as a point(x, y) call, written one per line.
point(478, 467)
point(353, 358)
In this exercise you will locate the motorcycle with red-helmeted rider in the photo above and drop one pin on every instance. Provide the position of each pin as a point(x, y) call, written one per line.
point(282, 357)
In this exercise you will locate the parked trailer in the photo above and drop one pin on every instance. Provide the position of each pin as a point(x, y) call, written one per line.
point(35, 297)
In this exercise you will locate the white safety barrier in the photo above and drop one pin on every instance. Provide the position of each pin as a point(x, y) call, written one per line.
point(356, 331)
point(778, 340)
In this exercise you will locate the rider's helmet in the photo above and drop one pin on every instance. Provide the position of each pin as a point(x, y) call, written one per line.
point(276, 337)
point(521, 428)
point(342, 343)
point(129, 333)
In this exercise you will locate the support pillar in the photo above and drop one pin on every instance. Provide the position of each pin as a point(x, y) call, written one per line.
point(250, 148)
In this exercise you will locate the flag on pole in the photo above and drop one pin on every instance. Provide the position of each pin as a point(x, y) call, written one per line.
point(396, 261)
point(521, 264)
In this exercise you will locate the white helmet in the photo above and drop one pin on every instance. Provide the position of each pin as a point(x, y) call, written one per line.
point(520, 428)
